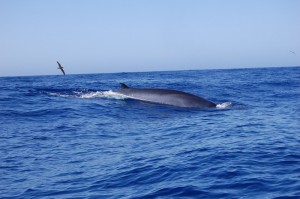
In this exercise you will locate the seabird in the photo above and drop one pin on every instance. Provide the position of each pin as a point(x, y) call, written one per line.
point(292, 52)
point(61, 68)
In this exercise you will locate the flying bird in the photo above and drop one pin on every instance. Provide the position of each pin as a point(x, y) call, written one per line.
point(61, 68)
point(292, 52)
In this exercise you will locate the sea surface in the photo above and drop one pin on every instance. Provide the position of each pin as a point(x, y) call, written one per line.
point(73, 137)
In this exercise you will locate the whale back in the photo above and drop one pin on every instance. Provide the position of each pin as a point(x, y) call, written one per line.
point(165, 96)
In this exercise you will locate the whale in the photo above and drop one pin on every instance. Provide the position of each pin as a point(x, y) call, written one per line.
point(165, 97)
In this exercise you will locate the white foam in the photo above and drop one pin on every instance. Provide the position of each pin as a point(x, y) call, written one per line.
point(58, 94)
point(103, 94)
point(91, 95)
point(224, 105)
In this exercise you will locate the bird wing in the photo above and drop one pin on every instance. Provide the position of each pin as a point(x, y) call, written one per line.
point(62, 70)
point(59, 64)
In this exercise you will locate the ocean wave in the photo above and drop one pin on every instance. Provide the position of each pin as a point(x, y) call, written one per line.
point(188, 191)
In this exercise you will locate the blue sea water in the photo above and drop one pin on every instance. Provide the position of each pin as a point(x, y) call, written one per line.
point(71, 137)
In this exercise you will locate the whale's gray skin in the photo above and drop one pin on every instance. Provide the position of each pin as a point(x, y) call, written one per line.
point(165, 96)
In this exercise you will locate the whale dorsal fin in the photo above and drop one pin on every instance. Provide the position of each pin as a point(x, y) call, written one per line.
point(123, 86)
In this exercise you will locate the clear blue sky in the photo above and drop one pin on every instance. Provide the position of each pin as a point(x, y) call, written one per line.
point(96, 36)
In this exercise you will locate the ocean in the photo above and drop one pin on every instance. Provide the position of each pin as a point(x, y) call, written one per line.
point(73, 137)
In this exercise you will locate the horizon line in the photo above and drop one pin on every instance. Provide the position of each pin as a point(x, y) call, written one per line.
point(233, 68)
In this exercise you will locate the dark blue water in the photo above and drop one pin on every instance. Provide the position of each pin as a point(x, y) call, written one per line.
point(67, 137)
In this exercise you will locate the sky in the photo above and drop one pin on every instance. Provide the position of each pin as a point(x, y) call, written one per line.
point(103, 36)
